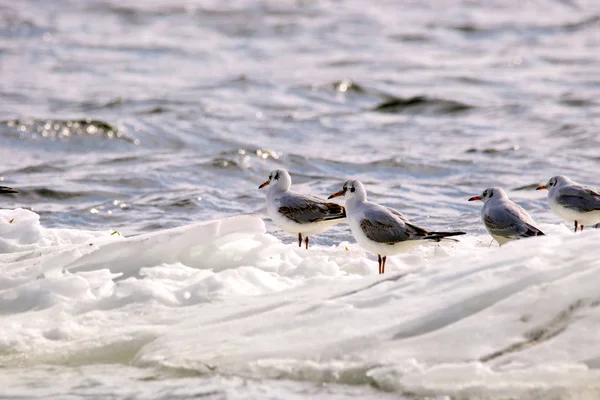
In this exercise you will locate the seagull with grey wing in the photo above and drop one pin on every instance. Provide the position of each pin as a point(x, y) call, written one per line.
point(298, 213)
point(382, 230)
point(504, 219)
point(573, 201)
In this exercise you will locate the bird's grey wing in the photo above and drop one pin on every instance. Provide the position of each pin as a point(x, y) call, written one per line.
point(386, 225)
point(398, 214)
point(381, 225)
point(411, 228)
point(578, 197)
point(5, 189)
point(305, 209)
point(510, 221)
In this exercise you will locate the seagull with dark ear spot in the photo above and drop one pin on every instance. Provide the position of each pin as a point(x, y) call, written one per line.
point(297, 213)
point(504, 219)
point(573, 201)
point(7, 190)
point(383, 230)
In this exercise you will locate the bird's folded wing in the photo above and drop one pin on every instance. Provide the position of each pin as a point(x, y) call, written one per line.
point(383, 226)
point(305, 209)
point(510, 221)
point(579, 198)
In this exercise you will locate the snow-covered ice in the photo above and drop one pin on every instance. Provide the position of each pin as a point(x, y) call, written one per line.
point(225, 297)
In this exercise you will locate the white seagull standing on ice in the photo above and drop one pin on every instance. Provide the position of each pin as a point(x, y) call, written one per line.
point(504, 219)
point(299, 213)
point(382, 230)
point(573, 201)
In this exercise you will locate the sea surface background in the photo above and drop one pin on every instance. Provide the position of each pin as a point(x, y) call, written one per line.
point(138, 116)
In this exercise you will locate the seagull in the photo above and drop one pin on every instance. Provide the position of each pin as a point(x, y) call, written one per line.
point(573, 201)
point(504, 219)
point(382, 230)
point(6, 190)
point(299, 213)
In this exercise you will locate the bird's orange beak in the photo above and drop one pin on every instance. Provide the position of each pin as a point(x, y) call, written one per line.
point(475, 198)
point(264, 184)
point(337, 194)
point(541, 187)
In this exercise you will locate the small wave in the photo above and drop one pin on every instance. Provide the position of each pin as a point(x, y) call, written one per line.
point(54, 194)
point(148, 106)
point(492, 150)
point(170, 200)
point(65, 129)
point(530, 186)
point(155, 110)
point(470, 28)
point(40, 168)
point(584, 23)
point(120, 160)
point(13, 24)
point(225, 163)
point(572, 100)
point(58, 194)
point(348, 86)
point(396, 165)
point(389, 103)
point(240, 159)
point(422, 105)
point(410, 37)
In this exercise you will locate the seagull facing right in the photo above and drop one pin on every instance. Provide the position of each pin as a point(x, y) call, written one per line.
point(504, 219)
point(573, 201)
point(6, 190)
point(382, 230)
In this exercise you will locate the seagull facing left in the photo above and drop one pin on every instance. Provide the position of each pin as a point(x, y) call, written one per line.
point(298, 213)
point(382, 230)
point(6, 190)
point(573, 201)
point(504, 219)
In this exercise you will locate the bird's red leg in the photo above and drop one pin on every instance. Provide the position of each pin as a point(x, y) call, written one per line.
point(379, 262)
point(306, 241)
point(575, 226)
point(299, 240)
point(581, 228)
point(383, 265)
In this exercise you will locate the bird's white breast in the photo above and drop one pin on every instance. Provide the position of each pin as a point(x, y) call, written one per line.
point(290, 226)
point(583, 218)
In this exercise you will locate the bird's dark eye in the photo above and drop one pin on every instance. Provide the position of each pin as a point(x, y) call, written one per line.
point(270, 177)
point(484, 193)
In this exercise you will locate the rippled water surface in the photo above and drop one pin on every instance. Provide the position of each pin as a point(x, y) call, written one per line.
point(143, 115)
